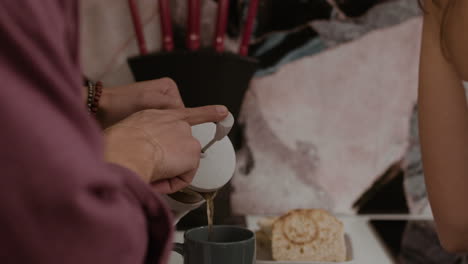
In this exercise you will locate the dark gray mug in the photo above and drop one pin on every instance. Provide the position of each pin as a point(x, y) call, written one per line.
point(227, 245)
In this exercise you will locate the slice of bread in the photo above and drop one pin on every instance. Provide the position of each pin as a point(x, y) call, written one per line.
point(263, 242)
point(263, 238)
point(308, 235)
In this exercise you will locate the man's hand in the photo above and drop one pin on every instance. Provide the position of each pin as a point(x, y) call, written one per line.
point(159, 146)
point(117, 103)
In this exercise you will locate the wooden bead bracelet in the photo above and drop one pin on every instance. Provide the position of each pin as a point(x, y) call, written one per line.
point(94, 94)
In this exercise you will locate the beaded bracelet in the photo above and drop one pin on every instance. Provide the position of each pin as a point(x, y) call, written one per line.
point(94, 94)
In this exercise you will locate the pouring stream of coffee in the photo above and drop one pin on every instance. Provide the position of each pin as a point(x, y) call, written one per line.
point(209, 197)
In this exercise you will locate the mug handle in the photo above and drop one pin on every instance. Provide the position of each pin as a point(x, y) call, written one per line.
point(179, 248)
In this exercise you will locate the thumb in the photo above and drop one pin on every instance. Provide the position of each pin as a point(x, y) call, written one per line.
point(205, 114)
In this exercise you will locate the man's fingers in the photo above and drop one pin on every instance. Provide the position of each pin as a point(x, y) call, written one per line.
point(205, 114)
point(162, 186)
point(174, 184)
point(158, 94)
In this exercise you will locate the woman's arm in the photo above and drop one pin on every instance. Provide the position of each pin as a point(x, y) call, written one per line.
point(443, 124)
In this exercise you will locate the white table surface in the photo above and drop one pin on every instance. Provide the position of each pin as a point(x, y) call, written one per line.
point(366, 245)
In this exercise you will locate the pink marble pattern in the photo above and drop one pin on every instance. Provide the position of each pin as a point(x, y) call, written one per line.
point(322, 129)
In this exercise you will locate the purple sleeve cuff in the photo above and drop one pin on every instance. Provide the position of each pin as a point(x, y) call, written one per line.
point(158, 216)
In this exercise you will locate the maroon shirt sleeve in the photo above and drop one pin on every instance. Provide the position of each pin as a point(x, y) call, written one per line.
point(60, 201)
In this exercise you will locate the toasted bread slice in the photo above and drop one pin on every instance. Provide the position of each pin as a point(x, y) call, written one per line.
point(263, 242)
point(308, 235)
